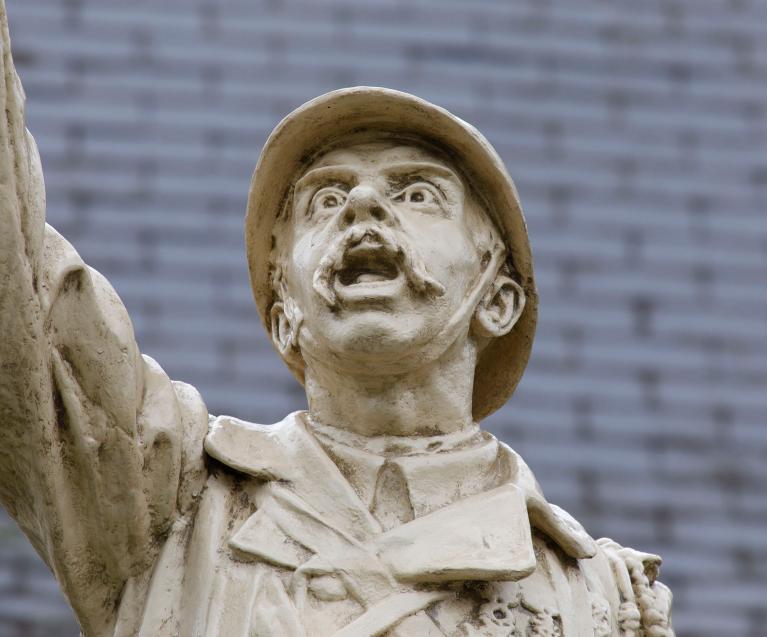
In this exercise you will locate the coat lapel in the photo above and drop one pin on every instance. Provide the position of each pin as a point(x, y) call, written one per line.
point(289, 454)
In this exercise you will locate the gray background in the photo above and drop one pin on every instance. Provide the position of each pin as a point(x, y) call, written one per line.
point(636, 134)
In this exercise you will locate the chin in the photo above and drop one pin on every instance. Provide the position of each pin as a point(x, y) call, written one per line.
point(370, 338)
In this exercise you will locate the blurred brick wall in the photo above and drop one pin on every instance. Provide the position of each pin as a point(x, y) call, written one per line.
point(636, 133)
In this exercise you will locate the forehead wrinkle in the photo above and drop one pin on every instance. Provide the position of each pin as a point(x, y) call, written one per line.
point(376, 152)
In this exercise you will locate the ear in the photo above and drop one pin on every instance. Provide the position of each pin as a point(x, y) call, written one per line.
point(286, 321)
point(500, 308)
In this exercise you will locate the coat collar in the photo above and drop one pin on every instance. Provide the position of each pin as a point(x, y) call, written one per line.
point(289, 454)
point(433, 480)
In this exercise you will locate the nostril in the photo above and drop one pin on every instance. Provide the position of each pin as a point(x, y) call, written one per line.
point(349, 216)
point(377, 213)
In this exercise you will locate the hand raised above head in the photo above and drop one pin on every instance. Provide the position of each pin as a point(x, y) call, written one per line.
point(22, 214)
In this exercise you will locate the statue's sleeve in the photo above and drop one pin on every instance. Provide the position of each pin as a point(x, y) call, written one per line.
point(99, 450)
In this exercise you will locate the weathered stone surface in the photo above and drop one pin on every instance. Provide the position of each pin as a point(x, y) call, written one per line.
point(390, 264)
point(640, 453)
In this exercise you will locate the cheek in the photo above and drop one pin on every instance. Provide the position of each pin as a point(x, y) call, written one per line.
point(450, 253)
point(303, 262)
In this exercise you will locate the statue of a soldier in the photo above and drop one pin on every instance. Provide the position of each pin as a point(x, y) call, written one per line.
point(390, 264)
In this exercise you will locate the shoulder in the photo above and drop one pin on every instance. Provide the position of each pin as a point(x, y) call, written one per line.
point(264, 451)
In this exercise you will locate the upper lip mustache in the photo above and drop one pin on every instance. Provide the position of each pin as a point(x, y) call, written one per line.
point(371, 256)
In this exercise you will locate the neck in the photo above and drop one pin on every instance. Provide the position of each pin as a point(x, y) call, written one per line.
point(430, 400)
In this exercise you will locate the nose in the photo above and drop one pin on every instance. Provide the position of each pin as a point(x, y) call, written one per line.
point(363, 203)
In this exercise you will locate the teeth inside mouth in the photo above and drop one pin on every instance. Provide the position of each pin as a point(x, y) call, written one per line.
point(367, 266)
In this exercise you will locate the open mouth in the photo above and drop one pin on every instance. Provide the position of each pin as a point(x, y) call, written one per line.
point(370, 267)
point(368, 263)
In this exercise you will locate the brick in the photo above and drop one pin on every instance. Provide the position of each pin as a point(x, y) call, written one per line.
point(636, 137)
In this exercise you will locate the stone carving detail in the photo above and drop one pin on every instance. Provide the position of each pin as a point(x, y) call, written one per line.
point(600, 612)
point(545, 624)
point(647, 602)
point(391, 268)
point(509, 614)
point(497, 616)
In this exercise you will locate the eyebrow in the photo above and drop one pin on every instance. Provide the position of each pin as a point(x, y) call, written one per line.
point(342, 173)
point(408, 168)
point(347, 174)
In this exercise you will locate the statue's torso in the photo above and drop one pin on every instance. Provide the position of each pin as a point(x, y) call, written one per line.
point(267, 555)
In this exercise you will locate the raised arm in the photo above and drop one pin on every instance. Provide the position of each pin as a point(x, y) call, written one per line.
point(99, 450)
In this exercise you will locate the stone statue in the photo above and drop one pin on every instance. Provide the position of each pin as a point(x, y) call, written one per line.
point(390, 264)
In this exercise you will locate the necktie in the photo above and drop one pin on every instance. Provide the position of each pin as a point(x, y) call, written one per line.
point(391, 501)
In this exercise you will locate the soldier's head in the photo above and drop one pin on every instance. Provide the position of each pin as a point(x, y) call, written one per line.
point(384, 258)
point(385, 251)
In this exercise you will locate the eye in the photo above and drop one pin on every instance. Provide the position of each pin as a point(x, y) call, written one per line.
point(330, 201)
point(420, 193)
point(327, 199)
